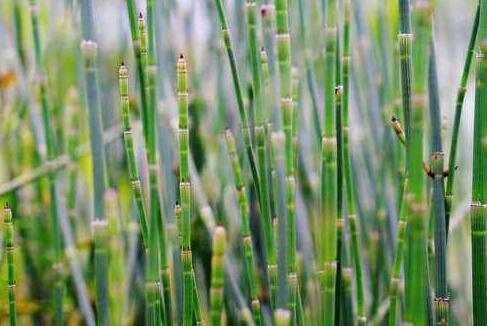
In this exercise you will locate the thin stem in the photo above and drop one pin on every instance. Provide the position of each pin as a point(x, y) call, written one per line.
point(9, 245)
point(462, 90)
point(250, 265)
point(217, 275)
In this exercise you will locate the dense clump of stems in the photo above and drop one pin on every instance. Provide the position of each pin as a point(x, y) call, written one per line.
point(462, 90)
point(479, 178)
point(217, 275)
point(9, 246)
point(58, 292)
point(249, 261)
point(244, 122)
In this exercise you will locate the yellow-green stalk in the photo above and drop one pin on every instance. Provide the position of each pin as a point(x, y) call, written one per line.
point(217, 275)
point(9, 246)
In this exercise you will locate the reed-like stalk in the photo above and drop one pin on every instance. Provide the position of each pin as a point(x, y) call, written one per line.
point(283, 41)
point(416, 196)
point(137, 47)
point(185, 193)
point(479, 178)
point(217, 275)
point(249, 261)
point(462, 90)
point(441, 299)
point(347, 167)
point(9, 247)
point(130, 152)
point(263, 158)
point(58, 292)
point(396, 266)
point(244, 122)
point(90, 50)
point(157, 218)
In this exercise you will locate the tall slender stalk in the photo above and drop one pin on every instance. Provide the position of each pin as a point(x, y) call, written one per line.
point(398, 255)
point(244, 122)
point(479, 178)
point(283, 41)
point(130, 151)
point(441, 299)
point(58, 292)
point(250, 265)
point(9, 246)
point(217, 275)
point(264, 166)
point(347, 167)
point(329, 171)
point(137, 47)
point(89, 49)
point(416, 199)
point(462, 90)
point(157, 218)
point(185, 193)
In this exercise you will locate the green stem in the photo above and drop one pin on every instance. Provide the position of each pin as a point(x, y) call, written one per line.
point(462, 90)
point(479, 179)
point(9, 245)
point(217, 275)
point(250, 265)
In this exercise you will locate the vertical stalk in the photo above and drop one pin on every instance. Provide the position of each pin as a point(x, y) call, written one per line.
point(58, 292)
point(157, 218)
point(89, 49)
point(264, 166)
point(416, 200)
point(396, 266)
point(479, 178)
point(130, 152)
point(283, 41)
point(347, 167)
point(462, 90)
point(9, 245)
point(217, 275)
point(441, 299)
point(245, 228)
point(185, 193)
point(137, 47)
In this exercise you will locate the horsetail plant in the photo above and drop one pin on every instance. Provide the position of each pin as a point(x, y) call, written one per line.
point(347, 166)
point(9, 246)
point(441, 299)
point(250, 265)
point(157, 220)
point(217, 275)
point(130, 152)
point(51, 154)
point(263, 158)
point(185, 193)
point(416, 199)
point(462, 90)
point(479, 178)
point(283, 42)
point(97, 154)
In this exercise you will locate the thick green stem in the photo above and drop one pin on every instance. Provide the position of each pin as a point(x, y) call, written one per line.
point(217, 275)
